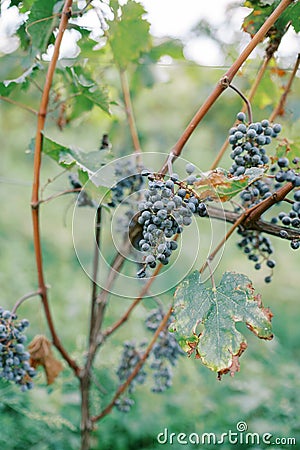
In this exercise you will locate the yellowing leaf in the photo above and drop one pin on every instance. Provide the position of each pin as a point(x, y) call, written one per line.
point(221, 186)
point(219, 344)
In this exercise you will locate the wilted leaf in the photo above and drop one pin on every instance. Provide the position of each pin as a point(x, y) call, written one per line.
point(41, 355)
point(219, 344)
point(221, 186)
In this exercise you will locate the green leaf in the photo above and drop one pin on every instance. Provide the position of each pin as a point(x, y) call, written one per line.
point(68, 157)
point(23, 81)
point(217, 310)
point(288, 148)
point(129, 35)
point(41, 24)
point(171, 47)
point(100, 194)
point(220, 186)
point(88, 92)
point(262, 10)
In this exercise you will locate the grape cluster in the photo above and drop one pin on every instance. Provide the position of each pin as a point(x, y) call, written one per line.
point(83, 199)
point(124, 404)
point(131, 355)
point(168, 206)
point(14, 359)
point(165, 353)
point(258, 248)
point(248, 143)
point(248, 150)
point(129, 182)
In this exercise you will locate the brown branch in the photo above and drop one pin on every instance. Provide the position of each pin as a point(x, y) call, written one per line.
point(129, 112)
point(20, 105)
point(257, 211)
point(249, 217)
point(36, 185)
point(250, 96)
point(259, 225)
point(25, 297)
point(278, 111)
point(136, 370)
point(223, 83)
point(95, 269)
point(125, 317)
point(59, 194)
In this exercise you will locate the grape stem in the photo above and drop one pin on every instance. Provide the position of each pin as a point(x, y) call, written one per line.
point(125, 316)
point(279, 110)
point(137, 368)
point(25, 297)
point(249, 109)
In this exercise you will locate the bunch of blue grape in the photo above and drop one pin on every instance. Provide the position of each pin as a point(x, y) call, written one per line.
point(131, 355)
point(259, 249)
point(168, 206)
point(165, 352)
point(83, 199)
point(248, 143)
point(292, 217)
point(129, 182)
point(14, 359)
point(248, 150)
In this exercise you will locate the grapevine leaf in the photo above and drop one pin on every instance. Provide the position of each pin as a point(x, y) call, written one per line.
point(262, 10)
point(41, 23)
point(288, 148)
point(41, 355)
point(7, 86)
point(68, 157)
point(170, 47)
point(129, 34)
point(219, 344)
point(100, 194)
point(85, 93)
point(219, 186)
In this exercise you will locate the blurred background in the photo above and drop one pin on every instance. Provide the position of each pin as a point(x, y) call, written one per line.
point(266, 393)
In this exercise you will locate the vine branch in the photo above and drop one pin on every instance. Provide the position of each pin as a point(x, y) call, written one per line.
point(250, 96)
point(278, 111)
point(20, 105)
point(136, 370)
point(221, 86)
point(36, 185)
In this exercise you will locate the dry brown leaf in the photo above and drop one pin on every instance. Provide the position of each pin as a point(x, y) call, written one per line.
point(40, 349)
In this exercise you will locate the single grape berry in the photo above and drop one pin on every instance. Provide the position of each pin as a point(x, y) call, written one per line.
point(241, 116)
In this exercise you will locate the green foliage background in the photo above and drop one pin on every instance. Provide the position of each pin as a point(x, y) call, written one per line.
point(265, 394)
